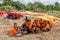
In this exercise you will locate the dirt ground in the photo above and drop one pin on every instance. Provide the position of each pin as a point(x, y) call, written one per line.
point(6, 24)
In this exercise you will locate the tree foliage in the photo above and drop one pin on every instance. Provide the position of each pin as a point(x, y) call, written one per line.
point(5, 8)
point(18, 5)
point(37, 6)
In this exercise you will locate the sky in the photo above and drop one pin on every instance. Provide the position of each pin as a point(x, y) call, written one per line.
point(42, 1)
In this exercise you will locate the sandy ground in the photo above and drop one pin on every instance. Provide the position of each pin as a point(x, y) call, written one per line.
point(6, 24)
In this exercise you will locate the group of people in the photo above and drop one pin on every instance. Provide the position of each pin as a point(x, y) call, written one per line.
point(31, 27)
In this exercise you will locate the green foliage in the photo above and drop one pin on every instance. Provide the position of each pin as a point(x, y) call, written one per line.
point(18, 5)
point(5, 8)
point(29, 7)
point(37, 6)
point(7, 2)
point(57, 6)
point(57, 12)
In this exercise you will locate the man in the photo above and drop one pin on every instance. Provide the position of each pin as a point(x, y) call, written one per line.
point(50, 24)
point(13, 30)
point(46, 26)
point(34, 26)
point(39, 24)
point(41, 21)
point(25, 26)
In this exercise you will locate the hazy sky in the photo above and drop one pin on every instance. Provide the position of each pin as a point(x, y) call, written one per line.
point(42, 1)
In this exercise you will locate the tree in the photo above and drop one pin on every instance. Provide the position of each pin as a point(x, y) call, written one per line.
point(50, 7)
point(7, 2)
point(0, 5)
point(38, 7)
point(5, 8)
point(29, 6)
point(18, 5)
point(57, 6)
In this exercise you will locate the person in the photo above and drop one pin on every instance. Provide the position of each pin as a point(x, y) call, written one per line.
point(50, 24)
point(39, 24)
point(41, 21)
point(25, 27)
point(13, 30)
point(46, 26)
point(43, 26)
point(34, 26)
point(26, 18)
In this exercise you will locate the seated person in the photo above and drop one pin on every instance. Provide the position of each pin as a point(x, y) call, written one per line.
point(25, 27)
point(37, 25)
point(34, 26)
point(46, 26)
point(50, 23)
point(15, 31)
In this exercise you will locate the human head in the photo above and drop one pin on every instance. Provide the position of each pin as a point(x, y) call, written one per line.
point(15, 24)
point(36, 20)
point(48, 22)
point(41, 19)
point(29, 21)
